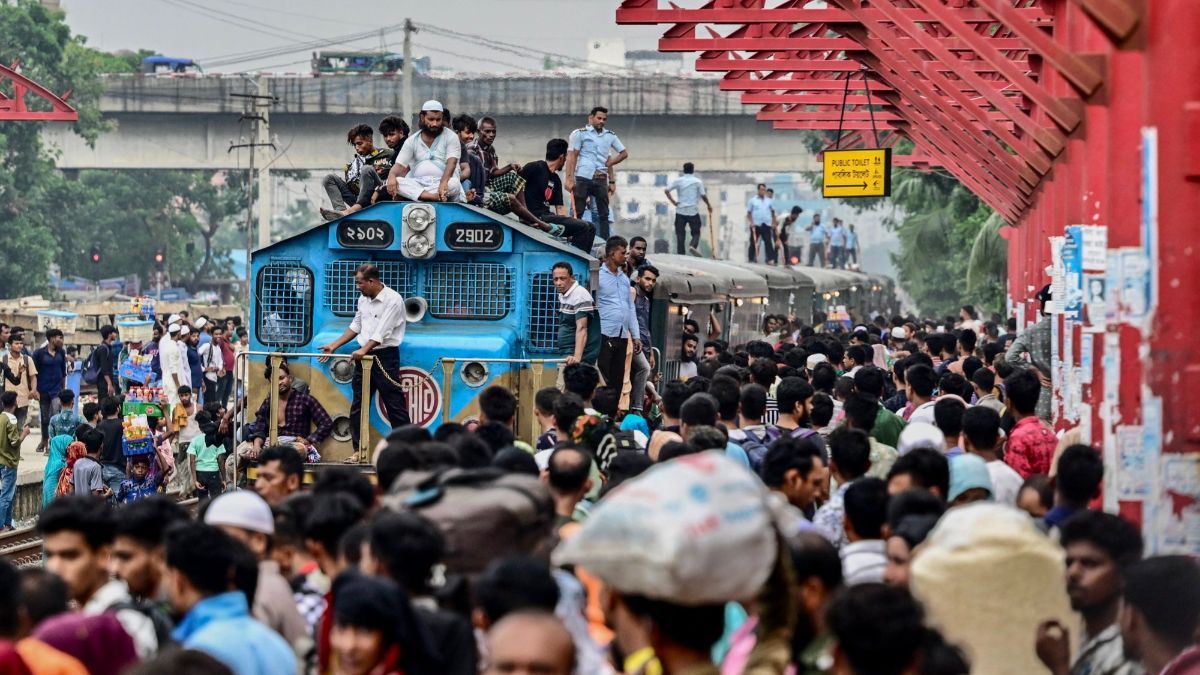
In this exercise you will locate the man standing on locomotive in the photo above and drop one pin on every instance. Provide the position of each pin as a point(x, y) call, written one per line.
point(378, 326)
point(575, 315)
point(618, 321)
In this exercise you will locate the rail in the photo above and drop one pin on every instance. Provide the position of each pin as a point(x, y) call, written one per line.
point(242, 364)
point(22, 547)
point(448, 373)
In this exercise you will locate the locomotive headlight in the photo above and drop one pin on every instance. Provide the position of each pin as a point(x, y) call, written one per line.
point(418, 217)
point(854, 288)
point(417, 245)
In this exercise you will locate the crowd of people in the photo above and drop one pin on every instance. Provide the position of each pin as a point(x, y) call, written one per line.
point(781, 239)
point(453, 158)
point(874, 501)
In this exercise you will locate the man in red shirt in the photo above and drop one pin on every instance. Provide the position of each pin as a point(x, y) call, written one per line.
point(1031, 443)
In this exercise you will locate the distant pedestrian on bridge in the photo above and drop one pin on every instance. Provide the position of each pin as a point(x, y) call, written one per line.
point(760, 216)
point(589, 163)
point(687, 207)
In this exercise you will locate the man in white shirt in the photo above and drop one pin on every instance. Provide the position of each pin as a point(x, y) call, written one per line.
point(378, 326)
point(168, 360)
point(981, 436)
point(687, 208)
point(426, 168)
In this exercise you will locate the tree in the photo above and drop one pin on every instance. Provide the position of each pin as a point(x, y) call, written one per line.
point(30, 189)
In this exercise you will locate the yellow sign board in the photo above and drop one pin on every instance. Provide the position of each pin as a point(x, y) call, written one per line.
point(857, 173)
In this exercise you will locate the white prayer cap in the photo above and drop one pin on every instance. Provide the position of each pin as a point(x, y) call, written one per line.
point(814, 360)
point(184, 330)
point(174, 318)
point(201, 323)
point(432, 106)
point(173, 328)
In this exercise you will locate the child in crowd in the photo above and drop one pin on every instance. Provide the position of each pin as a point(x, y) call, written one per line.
point(182, 430)
point(142, 478)
point(543, 409)
point(206, 455)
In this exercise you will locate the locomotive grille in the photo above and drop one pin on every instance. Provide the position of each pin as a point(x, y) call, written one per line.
point(469, 290)
point(285, 295)
point(341, 295)
point(542, 305)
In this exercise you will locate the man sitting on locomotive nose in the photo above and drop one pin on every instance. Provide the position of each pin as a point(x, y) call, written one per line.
point(427, 167)
point(298, 414)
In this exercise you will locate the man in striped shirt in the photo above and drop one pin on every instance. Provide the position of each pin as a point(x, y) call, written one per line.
point(575, 314)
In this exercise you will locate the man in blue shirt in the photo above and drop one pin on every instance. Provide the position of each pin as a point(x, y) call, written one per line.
point(837, 244)
point(618, 322)
point(816, 240)
point(51, 363)
point(589, 161)
point(201, 565)
point(851, 254)
point(760, 216)
point(687, 207)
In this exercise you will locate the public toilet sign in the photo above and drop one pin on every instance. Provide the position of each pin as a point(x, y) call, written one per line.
point(857, 173)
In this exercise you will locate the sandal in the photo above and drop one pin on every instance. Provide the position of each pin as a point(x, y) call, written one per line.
point(352, 459)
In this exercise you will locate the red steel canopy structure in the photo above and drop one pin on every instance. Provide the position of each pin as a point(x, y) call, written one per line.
point(1055, 113)
point(14, 107)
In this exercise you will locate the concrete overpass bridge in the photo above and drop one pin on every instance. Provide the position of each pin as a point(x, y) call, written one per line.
point(189, 122)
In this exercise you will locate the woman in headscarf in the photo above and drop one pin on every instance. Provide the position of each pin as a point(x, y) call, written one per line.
point(375, 631)
point(879, 356)
point(56, 461)
point(65, 485)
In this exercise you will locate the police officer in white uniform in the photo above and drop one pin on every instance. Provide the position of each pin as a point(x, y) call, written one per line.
point(378, 326)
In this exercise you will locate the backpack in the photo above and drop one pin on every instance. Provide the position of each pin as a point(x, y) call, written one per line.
point(803, 432)
point(756, 447)
point(91, 367)
point(616, 441)
point(484, 514)
point(162, 623)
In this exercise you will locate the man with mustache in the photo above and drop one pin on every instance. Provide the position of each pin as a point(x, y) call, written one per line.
point(427, 167)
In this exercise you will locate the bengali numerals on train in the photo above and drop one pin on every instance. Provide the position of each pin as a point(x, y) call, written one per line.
point(365, 234)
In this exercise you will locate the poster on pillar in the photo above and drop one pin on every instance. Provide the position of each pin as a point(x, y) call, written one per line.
point(1178, 511)
point(1072, 262)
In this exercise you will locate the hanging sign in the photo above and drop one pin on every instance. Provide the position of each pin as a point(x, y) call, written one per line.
point(857, 173)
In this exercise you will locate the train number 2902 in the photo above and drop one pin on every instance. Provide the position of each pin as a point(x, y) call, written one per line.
point(474, 236)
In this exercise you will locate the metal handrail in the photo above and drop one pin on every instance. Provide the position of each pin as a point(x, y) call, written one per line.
point(448, 373)
point(275, 359)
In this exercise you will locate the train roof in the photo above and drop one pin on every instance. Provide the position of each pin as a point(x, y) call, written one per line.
point(776, 277)
point(738, 282)
point(680, 284)
point(823, 279)
point(392, 211)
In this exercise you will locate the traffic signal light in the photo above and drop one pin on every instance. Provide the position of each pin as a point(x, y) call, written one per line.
point(95, 255)
point(159, 259)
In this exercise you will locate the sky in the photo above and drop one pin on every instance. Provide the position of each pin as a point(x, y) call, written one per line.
point(215, 32)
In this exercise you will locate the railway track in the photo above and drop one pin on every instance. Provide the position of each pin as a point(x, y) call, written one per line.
point(23, 547)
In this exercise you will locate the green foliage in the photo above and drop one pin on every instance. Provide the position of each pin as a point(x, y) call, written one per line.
point(129, 214)
point(29, 186)
point(950, 250)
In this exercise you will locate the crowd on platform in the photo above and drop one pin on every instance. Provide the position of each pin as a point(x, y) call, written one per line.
point(885, 499)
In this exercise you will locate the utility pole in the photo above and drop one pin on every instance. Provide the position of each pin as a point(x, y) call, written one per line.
point(407, 71)
point(262, 141)
point(259, 103)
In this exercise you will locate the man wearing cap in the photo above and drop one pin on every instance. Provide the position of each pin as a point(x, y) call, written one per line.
point(378, 326)
point(426, 168)
point(168, 360)
point(246, 517)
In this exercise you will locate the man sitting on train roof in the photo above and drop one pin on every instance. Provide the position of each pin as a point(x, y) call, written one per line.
point(360, 178)
point(544, 197)
point(395, 132)
point(502, 194)
point(426, 168)
point(299, 412)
